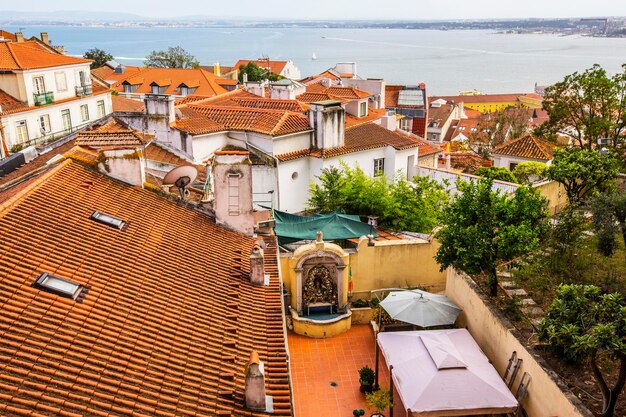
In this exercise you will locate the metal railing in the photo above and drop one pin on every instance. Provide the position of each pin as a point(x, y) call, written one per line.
point(47, 138)
point(43, 98)
point(84, 90)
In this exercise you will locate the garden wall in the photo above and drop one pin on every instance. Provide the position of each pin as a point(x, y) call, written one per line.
point(547, 394)
point(554, 193)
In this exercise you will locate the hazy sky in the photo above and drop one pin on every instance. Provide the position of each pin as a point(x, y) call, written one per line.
point(343, 9)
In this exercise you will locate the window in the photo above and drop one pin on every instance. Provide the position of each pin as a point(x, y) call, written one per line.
point(44, 124)
point(101, 109)
point(363, 109)
point(59, 286)
point(82, 78)
point(38, 85)
point(184, 91)
point(405, 124)
point(155, 89)
point(109, 220)
point(128, 88)
point(233, 194)
point(22, 131)
point(379, 166)
point(512, 165)
point(67, 119)
point(84, 113)
point(61, 81)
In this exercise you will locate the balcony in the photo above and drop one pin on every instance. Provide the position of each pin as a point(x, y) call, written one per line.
point(83, 90)
point(42, 99)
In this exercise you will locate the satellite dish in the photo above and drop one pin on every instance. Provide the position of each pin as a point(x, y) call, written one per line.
point(180, 178)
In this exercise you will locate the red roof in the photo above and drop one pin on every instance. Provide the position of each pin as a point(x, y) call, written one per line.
point(8, 104)
point(169, 318)
point(123, 104)
point(30, 55)
point(527, 146)
point(276, 67)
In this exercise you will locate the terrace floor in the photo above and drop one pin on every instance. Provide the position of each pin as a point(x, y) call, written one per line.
point(316, 363)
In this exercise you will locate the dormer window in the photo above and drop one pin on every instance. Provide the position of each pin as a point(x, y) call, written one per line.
point(184, 90)
point(155, 89)
point(128, 88)
point(59, 286)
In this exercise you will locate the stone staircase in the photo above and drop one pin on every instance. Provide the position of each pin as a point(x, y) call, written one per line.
point(528, 307)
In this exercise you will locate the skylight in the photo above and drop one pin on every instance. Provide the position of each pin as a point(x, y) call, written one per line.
point(108, 220)
point(59, 286)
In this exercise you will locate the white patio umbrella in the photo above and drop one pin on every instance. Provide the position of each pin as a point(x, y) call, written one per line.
point(420, 308)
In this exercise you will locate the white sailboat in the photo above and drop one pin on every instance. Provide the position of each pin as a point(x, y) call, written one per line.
point(314, 57)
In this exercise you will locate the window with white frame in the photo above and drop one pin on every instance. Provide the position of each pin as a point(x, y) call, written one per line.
point(128, 88)
point(67, 119)
point(184, 90)
point(405, 124)
point(60, 80)
point(155, 89)
point(38, 85)
point(44, 124)
point(363, 109)
point(379, 166)
point(101, 109)
point(84, 113)
point(21, 131)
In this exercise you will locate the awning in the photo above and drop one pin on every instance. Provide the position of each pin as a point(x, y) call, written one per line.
point(444, 373)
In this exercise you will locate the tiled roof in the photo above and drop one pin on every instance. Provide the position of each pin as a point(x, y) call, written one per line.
point(440, 114)
point(8, 35)
point(113, 133)
point(30, 55)
point(223, 69)
point(207, 83)
point(8, 104)
point(123, 104)
point(391, 95)
point(103, 72)
point(372, 114)
point(272, 104)
point(364, 137)
point(269, 122)
point(348, 93)
point(470, 128)
point(276, 67)
point(485, 98)
point(169, 318)
point(330, 74)
point(314, 97)
point(527, 146)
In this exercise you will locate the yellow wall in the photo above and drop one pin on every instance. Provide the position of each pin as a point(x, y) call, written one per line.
point(388, 264)
point(492, 106)
point(545, 397)
point(554, 193)
point(321, 329)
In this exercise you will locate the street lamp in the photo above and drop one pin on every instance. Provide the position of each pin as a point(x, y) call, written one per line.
point(373, 222)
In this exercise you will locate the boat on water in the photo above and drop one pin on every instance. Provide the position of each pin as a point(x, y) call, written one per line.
point(314, 57)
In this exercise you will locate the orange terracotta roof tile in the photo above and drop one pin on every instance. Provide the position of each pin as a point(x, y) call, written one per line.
point(103, 72)
point(314, 97)
point(8, 35)
point(276, 67)
point(30, 55)
point(348, 93)
point(392, 92)
point(527, 146)
point(372, 115)
point(8, 104)
point(123, 104)
point(205, 83)
point(169, 318)
point(329, 74)
point(112, 133)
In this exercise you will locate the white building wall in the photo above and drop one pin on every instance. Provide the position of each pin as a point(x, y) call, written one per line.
point(292, 143)
point(13, 84)
point(291, 71)
point(205, 145)
point(54, 113)
point(294, 179)
point(506, 160)
point(72, 80)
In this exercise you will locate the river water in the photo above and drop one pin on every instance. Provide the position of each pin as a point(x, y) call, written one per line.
point(448, 61)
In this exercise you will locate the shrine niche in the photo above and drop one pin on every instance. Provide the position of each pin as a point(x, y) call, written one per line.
point(319, 288)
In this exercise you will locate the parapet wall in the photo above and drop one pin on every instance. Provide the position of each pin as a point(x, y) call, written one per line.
point(547, 394)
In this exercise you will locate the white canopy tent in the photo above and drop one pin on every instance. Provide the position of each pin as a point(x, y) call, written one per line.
point(444, 373)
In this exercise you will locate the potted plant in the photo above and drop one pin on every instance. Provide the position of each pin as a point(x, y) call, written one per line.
point(379, 400)
point(366, 379)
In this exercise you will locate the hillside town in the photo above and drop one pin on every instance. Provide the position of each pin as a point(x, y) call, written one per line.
point(200, 239)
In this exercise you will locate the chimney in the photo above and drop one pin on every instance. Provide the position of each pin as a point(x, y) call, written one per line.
point(255, 397)
point(120, 69)
point(232, 175)
point(44, 38)
point(19, 36)
point(160, 105)
point(327, 118)
point(255, 87)
point(126, 165)
point(217, 70)
point(257, 269)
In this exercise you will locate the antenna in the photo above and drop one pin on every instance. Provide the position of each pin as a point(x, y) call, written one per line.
point(180, 178)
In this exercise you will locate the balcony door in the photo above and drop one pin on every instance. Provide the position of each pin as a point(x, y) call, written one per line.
point(38, 85)
point(67, 120)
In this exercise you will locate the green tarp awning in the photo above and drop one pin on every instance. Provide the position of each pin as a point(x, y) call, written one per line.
point(334, 226)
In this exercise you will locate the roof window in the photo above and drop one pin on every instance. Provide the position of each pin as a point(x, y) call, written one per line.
point(108, 220)
point(59, 286)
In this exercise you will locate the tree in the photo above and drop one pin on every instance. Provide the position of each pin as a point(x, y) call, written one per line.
point(98, 56)
point(582, 172)
point(482, 228)
point(529, 171)
point(582, 324)
point(499, 126)
point(400, 205)
point(173, 57)
point(496, 173)
point(256, 73)
point(609, 217)
point(588, 106)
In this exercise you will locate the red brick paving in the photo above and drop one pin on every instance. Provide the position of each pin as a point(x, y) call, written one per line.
point(315, 363)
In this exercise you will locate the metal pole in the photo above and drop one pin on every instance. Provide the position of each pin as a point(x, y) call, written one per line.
point(376, 387)
point(391, 390)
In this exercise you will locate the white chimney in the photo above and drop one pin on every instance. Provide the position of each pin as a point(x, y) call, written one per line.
point(327, 118)
point(126, 165)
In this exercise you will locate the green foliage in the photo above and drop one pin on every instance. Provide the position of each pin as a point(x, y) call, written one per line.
point(173, 57)
point(366, 375)
point(379, 400)
point(566, 236)
point(582, 172)
point(583, 324)
point(16, 148)
point(590, 105)
point(609, 217)
point(256, 73)
point(98, 56)
point(496, 173)
point(400, 205)
point(482, 228)
point(530, 171)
